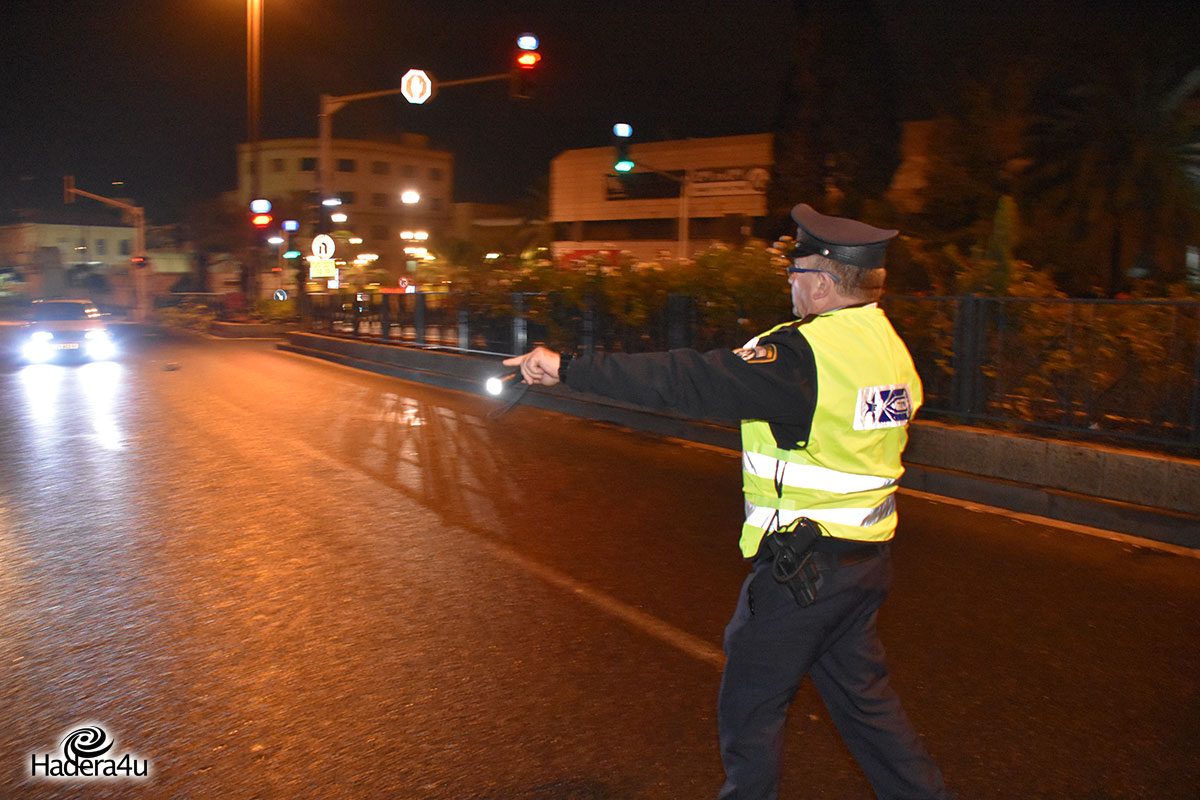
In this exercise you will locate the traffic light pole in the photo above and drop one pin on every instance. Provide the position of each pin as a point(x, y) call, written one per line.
point(684, 183)
point(141, 310)
point(331, 104)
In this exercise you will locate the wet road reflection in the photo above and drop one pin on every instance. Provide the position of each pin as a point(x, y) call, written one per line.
point(279, 578)
point(59, 399)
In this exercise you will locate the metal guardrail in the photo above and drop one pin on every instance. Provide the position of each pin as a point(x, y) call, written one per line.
point(1115, 370)
point(1123, 371)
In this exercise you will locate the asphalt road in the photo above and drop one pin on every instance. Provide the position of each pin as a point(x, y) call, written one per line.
point(273, 577)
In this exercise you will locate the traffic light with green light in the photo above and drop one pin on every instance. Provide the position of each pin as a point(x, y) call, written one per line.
point(622, 133)
point(291, 251)
point(525, 67)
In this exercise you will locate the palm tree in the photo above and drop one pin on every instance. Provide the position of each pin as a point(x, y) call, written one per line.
point(534, 209)
point(837, 133)
point(1116, 165)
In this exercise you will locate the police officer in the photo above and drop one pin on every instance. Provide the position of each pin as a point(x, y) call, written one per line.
point(824, 402)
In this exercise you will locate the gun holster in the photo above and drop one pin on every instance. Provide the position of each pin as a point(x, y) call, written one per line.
point(793, 563)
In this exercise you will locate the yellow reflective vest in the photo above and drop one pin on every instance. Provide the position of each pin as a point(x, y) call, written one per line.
point(845, 477)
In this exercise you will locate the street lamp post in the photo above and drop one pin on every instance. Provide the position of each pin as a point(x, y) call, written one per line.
point(408, 198)
point(254, 18)
point(254, 14)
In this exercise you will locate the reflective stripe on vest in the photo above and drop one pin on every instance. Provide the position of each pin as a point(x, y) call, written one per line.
point(845, 475)
point(810, 476)
point(762, 516)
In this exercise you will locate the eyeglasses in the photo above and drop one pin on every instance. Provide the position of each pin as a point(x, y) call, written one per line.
point(798, 270)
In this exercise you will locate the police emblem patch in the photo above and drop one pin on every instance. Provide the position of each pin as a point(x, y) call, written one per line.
point(760, 354)
point(882, 407)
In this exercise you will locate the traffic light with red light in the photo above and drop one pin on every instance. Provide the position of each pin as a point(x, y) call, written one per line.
point(138, 261)
point(524, 70)
point(260, 216)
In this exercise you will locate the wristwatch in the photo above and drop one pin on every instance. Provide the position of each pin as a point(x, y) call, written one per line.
point(564, 361)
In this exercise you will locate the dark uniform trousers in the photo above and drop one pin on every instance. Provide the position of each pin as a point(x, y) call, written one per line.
point(772, 643)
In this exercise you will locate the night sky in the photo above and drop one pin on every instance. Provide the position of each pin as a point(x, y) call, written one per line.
point(153, 92)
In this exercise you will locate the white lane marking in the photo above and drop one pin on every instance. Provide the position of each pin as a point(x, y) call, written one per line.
point(648, 624)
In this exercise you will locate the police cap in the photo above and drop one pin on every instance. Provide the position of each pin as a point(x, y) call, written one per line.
point(845, 240)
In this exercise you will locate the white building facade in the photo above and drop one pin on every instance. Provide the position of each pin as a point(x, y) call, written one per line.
point(80, 253)
point(370, 178)
point(717, 185)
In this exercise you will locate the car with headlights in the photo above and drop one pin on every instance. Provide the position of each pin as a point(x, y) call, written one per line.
point(62, 330)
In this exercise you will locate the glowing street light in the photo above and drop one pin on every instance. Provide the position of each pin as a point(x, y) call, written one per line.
point(410, 197)
point(338, 217)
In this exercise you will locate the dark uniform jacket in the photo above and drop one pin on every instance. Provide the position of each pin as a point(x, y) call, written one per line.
point(775, 382)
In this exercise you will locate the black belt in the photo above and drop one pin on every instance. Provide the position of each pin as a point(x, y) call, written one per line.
point(836, 552)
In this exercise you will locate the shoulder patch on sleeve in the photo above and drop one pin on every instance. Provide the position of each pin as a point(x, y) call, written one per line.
point(760, 354)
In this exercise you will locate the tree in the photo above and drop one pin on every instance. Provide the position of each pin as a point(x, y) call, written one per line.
point(534, 209)
point(215, 225)
point(1115, 171)
point(837, 138)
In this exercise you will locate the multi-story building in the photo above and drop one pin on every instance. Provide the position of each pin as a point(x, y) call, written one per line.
point(369, 177)
point(595, 210)
point(80, 251)
point(94, 237)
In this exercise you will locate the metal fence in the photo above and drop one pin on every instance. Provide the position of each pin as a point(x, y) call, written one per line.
point(1125, 371)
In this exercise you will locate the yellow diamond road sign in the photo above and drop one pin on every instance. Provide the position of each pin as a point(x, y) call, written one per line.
point(416, 86)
